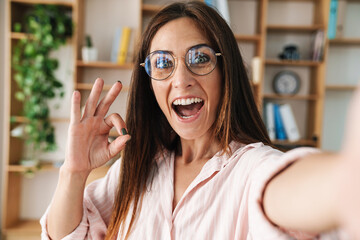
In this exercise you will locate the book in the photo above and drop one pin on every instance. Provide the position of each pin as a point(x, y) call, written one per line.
point(256, 69)
point(318, 49)
point(288, 119)
point(332, 19)
point(279, 126)
point(132, 45)
point(341, 13)
point(115, 45)
point(124, 45)
point(269, 120)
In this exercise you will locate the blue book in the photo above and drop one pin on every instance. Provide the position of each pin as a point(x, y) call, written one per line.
point(115, 46)
point(279, 125)
point(209, 2)
point(332, 19)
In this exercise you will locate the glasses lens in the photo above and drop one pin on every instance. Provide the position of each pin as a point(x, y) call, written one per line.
point(159, 65)
point(201, 60)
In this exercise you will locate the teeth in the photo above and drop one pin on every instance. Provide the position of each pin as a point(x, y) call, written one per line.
point(186, 117)
point(187, 101)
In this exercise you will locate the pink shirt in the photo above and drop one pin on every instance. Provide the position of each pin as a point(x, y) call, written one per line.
point(222, 202)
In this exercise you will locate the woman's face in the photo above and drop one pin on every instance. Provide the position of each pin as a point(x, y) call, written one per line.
point(189, 101)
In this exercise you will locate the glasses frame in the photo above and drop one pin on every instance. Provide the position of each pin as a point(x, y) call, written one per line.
point(217, 54)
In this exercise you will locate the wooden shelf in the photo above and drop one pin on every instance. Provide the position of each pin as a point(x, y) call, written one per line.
point(22, 119)
point(301, 142)
point(294, 28)
point(300, 63)
point(18, 35)
point(340, 87)
point(151, 8)
point(293, 0)
point(25, 227)
point(102, 64)
point(50, 2)
point(88, 86)
point(345, 41)
point(247, 38)
point(42, 167)
point(291, 97)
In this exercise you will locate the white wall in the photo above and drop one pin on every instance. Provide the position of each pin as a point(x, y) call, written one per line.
point(2, 79)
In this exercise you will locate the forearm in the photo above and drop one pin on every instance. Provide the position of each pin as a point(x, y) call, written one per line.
point(66, 209)
point(304, 196)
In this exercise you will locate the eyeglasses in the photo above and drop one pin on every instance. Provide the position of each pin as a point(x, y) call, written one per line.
point(200, 60)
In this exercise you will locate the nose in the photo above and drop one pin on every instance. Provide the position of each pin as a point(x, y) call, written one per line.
point(182, 77)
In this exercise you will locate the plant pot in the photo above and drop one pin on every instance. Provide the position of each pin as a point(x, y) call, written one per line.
point(89, 54)
point(30, 162)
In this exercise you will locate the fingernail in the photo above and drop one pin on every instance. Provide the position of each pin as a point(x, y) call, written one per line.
point(123, 131)
point(119, 81)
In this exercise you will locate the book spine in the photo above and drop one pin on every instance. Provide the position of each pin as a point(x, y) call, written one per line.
point(332, 19)
point(269, 120)
point(115, 46)
point(279, 126)
point(290, 126)
point(256, 69)
point(341, 13)
point(124, 45)
point(318, 46)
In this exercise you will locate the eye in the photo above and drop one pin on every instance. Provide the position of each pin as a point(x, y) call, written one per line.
point(199, 58)
point(163, 62)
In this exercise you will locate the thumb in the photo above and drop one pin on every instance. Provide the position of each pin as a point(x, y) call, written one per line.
point(118, 144)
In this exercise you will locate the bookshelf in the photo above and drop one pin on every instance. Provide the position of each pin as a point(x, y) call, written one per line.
point(17, 224)
point(295, 22)
point(342, 74)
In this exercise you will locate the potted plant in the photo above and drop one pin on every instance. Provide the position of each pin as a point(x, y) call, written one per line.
point(89, 52)
point(47, 27)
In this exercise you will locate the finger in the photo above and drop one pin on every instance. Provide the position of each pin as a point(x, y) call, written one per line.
point(75, 113)
point(90, 105)
point(118, 144)
point(115, 120)
point(110, 97)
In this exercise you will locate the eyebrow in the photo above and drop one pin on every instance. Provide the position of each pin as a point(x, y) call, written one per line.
point(194, 46)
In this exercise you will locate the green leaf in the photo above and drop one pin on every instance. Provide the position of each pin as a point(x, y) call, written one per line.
point(57, 84)
point(29, 50)
point(20, 96)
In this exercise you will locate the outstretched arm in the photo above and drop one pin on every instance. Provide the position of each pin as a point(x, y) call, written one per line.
point(321, 191)
point(87, 149)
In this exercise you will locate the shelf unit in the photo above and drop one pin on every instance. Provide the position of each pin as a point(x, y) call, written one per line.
point(342, 75)
point(296, 22)
point(15, 226)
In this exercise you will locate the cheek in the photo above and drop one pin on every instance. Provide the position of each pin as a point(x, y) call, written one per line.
point(160, 95)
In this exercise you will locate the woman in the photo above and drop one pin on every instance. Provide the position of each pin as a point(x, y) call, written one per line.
point(198, 164)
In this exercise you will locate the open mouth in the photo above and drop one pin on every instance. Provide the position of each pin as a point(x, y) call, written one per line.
point(187, 108)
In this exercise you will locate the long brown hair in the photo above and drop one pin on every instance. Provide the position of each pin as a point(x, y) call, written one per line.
point(239, 119)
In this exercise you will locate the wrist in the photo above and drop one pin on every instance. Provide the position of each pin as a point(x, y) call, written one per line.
point(75, 176)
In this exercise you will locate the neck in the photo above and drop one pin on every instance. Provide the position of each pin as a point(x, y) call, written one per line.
point(198, 149)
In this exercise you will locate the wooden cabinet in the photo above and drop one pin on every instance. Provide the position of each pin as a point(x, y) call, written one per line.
point(342, 74)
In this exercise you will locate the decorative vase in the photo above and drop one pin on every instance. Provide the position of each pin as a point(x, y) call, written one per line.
point(89, 54)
